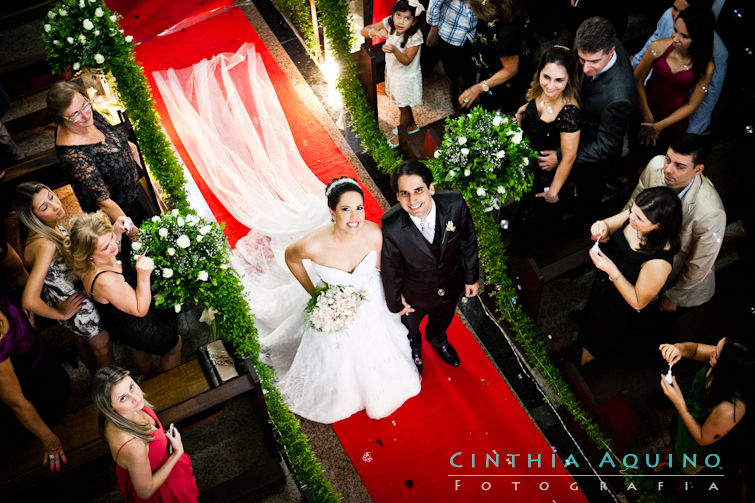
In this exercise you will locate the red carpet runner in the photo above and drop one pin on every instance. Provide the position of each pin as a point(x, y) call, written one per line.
point(465, 437)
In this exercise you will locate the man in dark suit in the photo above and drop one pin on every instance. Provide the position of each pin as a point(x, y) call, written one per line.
point(608, 98)
point(429, 257)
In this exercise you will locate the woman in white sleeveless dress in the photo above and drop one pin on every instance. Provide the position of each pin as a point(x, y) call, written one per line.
point(328, 376)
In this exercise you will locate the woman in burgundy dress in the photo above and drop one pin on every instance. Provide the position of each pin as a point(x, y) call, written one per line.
point(682, 68)
point(151, 465)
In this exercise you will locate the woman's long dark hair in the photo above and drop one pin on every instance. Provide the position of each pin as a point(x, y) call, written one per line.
point(732, 378)
point(403, 6)
point(700, 26)
point(661, 205)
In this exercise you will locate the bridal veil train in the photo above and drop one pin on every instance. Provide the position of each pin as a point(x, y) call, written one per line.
point(228, 117)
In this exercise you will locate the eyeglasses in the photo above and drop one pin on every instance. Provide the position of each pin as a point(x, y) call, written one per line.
point(76, 116)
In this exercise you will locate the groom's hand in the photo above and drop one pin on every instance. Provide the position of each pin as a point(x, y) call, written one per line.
point(471, 290)
point(407, 308)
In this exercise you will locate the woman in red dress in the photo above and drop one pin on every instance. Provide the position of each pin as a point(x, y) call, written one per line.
point(150, 464)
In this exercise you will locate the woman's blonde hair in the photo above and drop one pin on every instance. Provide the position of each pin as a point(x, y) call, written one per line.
point(23, 205)
point(85, 232)
point(60, 96)
point(102, 388)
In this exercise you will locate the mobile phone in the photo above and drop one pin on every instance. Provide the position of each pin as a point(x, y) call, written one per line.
point(171, 429)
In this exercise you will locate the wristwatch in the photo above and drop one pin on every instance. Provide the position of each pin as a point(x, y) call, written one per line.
point(484, 85)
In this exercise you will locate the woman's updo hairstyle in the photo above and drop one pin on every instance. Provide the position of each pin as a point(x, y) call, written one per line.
point(338, 186)
point(60, 96)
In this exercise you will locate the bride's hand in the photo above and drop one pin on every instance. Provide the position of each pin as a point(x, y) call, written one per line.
point(407, 308)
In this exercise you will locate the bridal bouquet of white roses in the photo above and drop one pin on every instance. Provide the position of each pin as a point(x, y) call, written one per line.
point(190, 256)
point(485, 156)
point(332, 306)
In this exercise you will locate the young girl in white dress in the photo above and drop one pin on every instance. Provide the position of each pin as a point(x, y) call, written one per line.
point(403, 75)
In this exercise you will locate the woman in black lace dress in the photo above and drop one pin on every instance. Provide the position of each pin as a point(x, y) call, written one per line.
point(103, 165)
point(122, 294)
point(551, 119)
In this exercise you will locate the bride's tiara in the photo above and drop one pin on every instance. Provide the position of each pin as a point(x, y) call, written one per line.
point(338, 182)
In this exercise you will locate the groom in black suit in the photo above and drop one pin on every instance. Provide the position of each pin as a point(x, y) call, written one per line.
point(429, 257)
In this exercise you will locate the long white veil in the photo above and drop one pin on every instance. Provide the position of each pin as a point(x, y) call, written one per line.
point(228, 117)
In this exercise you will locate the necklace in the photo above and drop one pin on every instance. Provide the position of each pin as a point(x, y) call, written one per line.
point(544, 106)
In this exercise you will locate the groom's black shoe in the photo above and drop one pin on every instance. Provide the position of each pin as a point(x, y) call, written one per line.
point(417, 360)
point(448, 354)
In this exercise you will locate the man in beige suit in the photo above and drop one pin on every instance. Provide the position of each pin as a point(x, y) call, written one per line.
point(692, 280)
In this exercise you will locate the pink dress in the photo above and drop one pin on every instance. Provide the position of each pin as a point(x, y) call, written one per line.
point(666, 91)
point(179, 487)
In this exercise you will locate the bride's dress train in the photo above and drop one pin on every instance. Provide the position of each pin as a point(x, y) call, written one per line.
point(228, 117)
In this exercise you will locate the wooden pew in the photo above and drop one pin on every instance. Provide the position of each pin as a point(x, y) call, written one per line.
point(182, 396)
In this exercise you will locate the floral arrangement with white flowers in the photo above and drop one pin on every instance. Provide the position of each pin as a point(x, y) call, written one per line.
point(332, 307)
point(190, 256)
point(486, 157)
point(79, 33)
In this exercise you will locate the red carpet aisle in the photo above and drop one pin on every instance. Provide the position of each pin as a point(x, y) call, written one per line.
point(467, 410)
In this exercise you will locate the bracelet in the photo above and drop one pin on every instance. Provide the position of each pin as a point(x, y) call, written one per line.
point(613, 280)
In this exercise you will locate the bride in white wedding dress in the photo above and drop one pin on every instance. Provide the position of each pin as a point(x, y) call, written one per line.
point(327, 376)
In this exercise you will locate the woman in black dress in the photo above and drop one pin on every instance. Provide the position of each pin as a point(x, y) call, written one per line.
point(122, 294)
point(645, 239)
point(551, 119)
point(501, 54)
point(103, 165)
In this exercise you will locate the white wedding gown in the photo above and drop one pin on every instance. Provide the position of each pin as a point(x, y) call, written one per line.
point(326, 377)
point(228, 117)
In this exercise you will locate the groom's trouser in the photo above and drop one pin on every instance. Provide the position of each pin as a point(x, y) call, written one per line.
point(438, 319)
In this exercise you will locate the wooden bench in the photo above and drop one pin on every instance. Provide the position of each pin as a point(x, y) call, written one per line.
point(181, 396)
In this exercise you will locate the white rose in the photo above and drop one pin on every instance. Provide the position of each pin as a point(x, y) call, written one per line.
point(167, 273)
point(437, 153)
point(500, 154)
point(63, 12)
point(56, 42)
point(69, 40)
point(205, 229)
point(82, 39)
point(526, 161)
point(99, 58)
point(155, 218)
point(96, 33)
point(87, 24)
point(163, 232)
point(497, 120)
point(480, 191)
point(199, 239)
point(174, 212)
point(461, 140)
point(465, 151)
point(48, 28)
point(208, 315)
point(99, 12)
point(76, 66)
point(171, 251)
point(113, 18)
point(183, 241)
point(224, 266)
point(467, 172)
point(136, 246)
point(517, 138)
point(177, 308)
point(82, 3)
point(203, 276)
point(129, 38)
point(180, 221)
point(51, 15)
point(501, 189)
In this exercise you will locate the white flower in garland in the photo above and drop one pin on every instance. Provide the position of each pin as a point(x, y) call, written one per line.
point(87, 24)
point(163, 232)
point(155, 218)
point(200, 238)
point(48, 28)
point(205, 229)
point(465, 152)
point(76, 66)
point(501, 189)
point(113, 18)
point(461, 140)
point(51, 14)
point(82, 3)
point(467, 172)
point(167, 273)
point(497, 120)
point(96, 33)
point(208, 315)
point(136, 246)
point(480, 191)
point(224, 266)
point(526, 161)
point(500, 154)
point(99, 12)
point(129, 38)
point(438, 153)
point(99, 58)
point(62, 12)
point(174, 213)
point(177, 308)
point(56, 42)
point(82, 39)
point(69, 40)
point(180, 221)
point(203, 276)
point(171, 251)
point(183, 241)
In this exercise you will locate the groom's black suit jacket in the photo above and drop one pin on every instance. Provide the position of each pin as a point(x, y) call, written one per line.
point(410, 266)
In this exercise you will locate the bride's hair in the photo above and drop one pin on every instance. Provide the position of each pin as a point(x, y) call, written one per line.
point(337, 187)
